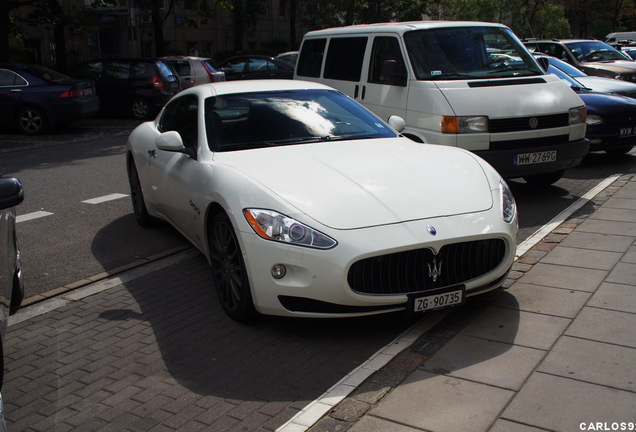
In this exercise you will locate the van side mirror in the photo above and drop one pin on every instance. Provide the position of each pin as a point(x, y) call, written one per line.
point(397, 123)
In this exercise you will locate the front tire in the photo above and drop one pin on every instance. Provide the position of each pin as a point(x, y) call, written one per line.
point(228, 269)
point(137, 196)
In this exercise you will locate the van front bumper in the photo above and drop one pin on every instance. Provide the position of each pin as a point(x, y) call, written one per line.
point(505, 160)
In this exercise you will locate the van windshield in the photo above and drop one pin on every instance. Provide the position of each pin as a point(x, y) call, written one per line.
point(460, 53)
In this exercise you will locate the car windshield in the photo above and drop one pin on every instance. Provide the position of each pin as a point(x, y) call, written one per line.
point(262, 119)
point(566, 67)
point(565, 77)
point(468, 52)
point(594, 51)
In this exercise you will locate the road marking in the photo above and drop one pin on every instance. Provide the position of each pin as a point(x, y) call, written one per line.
point(34, 215)
point(105, 198)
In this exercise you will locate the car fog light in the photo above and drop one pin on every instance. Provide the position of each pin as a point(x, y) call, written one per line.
point(279, 271)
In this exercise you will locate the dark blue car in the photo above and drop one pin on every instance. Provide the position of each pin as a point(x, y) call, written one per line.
point(34, 98)
point(611, 118)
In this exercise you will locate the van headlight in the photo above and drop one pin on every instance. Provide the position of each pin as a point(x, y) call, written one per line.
point(508, 205)
point(464, 125)
point(271, 225)
point(577, 115)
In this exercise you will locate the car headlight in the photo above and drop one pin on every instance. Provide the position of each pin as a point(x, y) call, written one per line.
point(577, 115)
point(508, 205)
point(594, 120)
point(464, 125)
point(275, 226)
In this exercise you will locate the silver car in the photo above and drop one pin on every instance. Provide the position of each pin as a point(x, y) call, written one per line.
point(194, 70)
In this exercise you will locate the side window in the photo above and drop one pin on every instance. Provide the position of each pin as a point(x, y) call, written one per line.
point(116, 71)
point(344, 58)
point(234, 66)
point(310, 59)
point(387, 63)
point(91, 71)
point(181, 115)
point(143, 70)
point(11, 79)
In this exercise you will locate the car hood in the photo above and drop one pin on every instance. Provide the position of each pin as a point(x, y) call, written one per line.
point(608, 85)
point(606, 104)
point(616, 66)
point(354, 184)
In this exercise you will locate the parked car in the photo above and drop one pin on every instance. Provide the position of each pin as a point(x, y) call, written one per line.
point(256, 67)
point(290, 57)
point(194, 70)
point(593, 57)
point(135, 87)
point(596, 83)
point(11, 285)
point(34, 98)
point(307, 204)
point(611, 118)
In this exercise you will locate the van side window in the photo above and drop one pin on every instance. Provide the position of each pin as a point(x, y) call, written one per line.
point(310, 60)
point(387, 63)
point(344, 58)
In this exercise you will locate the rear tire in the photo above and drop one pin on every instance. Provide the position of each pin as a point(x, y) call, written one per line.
point(545, 179)
point(141, 109)
point(228, 269)
point(31, 120)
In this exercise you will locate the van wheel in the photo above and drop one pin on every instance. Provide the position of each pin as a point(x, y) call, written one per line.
point(544, 179)
point(141, 109)
point(228, 269)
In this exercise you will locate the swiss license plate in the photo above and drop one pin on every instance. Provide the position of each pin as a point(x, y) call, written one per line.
point(535, 158)
point(437, 299)
point(627, 131)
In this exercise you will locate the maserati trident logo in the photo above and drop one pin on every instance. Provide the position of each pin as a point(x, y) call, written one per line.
point(533, 123)
point(434, 270)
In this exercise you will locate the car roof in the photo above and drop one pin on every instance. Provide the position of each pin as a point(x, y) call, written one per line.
point(249, 86)
point(400, 27)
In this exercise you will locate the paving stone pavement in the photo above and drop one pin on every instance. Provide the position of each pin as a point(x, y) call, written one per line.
point(556, 351)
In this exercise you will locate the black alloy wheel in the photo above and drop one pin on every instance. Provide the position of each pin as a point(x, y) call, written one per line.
point(228, 269)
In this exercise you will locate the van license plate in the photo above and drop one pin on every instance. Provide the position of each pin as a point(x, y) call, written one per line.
point(437, 299)
point(534, 158)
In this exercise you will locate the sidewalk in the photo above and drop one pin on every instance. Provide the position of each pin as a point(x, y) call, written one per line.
point(556, 351)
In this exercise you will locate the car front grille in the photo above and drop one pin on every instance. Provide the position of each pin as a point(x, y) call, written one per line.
point(528, 123)
point(413, 271)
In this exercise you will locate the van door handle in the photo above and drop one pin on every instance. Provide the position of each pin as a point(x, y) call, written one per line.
point(356, 91)
point(364, 90)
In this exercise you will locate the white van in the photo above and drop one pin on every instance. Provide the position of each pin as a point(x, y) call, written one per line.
point(466, 84)
point(620, 37)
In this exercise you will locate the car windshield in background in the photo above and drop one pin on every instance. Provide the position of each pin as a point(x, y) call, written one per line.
point(254, 120)
point(468, 53)
point(594, 51)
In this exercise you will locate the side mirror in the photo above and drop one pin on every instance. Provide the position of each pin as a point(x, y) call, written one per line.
point(11, 192)
point(170, 141)
point(544, 63)
point(397, 123)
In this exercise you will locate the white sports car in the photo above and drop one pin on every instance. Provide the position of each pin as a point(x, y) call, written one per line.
point(306, 204)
